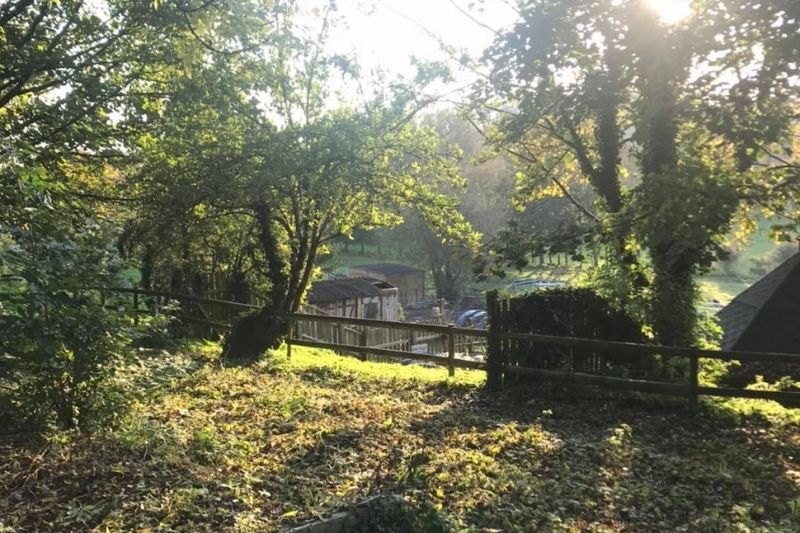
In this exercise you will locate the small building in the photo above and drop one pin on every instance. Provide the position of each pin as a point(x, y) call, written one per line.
point(766, 316)
point(361, 297)
point(410, 281)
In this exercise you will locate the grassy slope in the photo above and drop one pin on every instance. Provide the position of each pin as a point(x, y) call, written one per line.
point(263, 447)
point(724, 284)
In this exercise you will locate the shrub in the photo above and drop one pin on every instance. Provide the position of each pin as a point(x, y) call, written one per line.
point(570, 312)
point(60, 347)
point(156, 330)
point(60, 355)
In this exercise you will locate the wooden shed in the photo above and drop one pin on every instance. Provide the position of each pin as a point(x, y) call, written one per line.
point(361, 297)
point(410, 281)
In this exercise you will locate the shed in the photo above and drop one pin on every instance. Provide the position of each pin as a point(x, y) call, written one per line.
point(766, 316)
point(410, 281)
point(361, 297)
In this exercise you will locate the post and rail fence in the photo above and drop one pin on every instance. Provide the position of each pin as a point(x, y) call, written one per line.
point(444, 345)
point(488, 349)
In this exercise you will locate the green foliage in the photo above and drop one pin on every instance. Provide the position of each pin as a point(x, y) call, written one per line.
point(421, 517)
point(568, 312)
point(70, 70)
point(252, 165)
point(676, 128)
point(154, 330)
point(61, 346)
point(68, 369)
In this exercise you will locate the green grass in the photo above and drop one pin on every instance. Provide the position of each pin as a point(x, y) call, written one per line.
point(339, 258)
point(263, 447)
point(721, 289)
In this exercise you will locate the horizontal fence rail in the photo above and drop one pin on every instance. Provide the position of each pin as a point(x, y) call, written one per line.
point(650, 349)
point(456, 347)
point(439, 344)
point(691, 390)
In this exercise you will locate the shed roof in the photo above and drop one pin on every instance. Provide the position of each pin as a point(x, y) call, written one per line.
point(331, 290)
point(766, 316)
point(387, 269)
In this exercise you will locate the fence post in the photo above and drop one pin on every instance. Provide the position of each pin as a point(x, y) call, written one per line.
point(693, 376)
point(362, 341)
point(289, 339)
point(451, 351)
point(494, 356)
point(136, 308)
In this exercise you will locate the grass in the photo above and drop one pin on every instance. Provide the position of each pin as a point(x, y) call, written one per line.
point(340, 258)
point(721, 289)
point(267, 446)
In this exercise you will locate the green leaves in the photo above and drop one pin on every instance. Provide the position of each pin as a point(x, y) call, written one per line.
point(674, 127)
point(262, 133)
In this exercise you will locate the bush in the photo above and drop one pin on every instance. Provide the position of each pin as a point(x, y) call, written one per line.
point(571, 312)
point(156, 330)
point(60, 347)
point(60, 356)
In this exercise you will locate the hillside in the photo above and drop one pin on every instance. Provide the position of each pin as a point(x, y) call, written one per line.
point(260, 448)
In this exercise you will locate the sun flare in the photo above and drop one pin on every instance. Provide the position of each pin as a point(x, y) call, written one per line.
point(671, 11)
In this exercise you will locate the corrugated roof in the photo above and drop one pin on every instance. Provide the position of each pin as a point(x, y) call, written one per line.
point(766, 316)
point(387, 269)
point(331, 290)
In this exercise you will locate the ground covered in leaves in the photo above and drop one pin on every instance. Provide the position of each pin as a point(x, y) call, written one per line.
point(268, 446)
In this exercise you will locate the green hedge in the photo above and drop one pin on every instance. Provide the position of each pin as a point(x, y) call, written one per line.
point(563, 312)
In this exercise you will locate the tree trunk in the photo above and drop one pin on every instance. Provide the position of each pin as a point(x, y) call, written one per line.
point(255, 333)
point(673, 306)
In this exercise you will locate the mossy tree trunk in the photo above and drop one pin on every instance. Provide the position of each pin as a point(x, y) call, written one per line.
point(289, 275)
point(265, 329)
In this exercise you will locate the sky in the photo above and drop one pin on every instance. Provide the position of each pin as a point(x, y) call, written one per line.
point(383, 34)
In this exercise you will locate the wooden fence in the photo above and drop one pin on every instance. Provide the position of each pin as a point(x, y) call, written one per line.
point(444, 345)
point(455, 347)
point(203, 315)
point(498, 369)
point(378, 339)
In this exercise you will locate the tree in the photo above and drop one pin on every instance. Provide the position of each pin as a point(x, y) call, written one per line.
point(259, 137)
point(700, 104)
point(484, 200)
point(64, 67)
point(70, 72)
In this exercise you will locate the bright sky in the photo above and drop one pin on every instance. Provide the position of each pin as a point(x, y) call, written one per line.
point(385, 33)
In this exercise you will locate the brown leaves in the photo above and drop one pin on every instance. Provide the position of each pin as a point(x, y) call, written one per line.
point(258, 449)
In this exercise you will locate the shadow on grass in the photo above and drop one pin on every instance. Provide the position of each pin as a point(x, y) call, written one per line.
point(131, 483)
point(542, 458)
point(582, 458)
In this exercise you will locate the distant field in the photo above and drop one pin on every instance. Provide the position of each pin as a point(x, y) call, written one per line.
point(750, 262)
point(722, 290)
